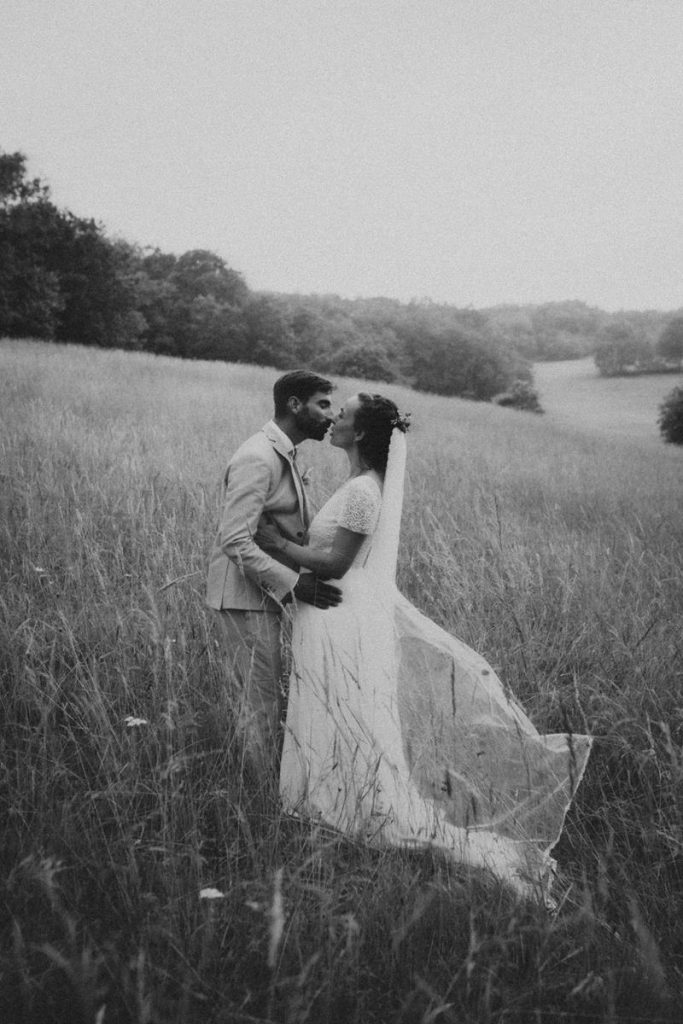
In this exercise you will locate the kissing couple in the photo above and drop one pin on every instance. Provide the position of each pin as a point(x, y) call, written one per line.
point(396, 732)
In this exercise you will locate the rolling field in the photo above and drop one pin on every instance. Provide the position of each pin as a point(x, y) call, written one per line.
point(575, 395)
point(553, 544)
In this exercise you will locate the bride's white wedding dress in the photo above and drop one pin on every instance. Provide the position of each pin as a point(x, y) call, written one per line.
point(400, 734)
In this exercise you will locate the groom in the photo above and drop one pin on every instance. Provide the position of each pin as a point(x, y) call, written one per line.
point(246, 586)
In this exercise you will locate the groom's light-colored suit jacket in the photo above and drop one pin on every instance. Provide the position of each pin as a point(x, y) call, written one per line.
point(261, 480)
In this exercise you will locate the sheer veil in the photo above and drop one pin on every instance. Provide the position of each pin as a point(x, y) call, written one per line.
point(507, 788)
point(383, 555)
point(399, 733)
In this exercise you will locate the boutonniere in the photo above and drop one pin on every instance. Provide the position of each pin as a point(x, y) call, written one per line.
point(307, 476)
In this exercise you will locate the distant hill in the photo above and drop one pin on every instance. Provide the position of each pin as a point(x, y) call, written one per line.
point(574, 394)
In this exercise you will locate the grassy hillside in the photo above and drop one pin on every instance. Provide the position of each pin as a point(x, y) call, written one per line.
point(555, 551)
point(575, 395)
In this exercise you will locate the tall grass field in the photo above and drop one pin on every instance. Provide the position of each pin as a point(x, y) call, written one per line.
point(144, 880)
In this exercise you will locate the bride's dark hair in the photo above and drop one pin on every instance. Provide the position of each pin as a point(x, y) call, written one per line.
point(377, 416)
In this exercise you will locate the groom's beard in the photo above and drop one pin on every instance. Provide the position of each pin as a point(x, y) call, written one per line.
point(310, 427)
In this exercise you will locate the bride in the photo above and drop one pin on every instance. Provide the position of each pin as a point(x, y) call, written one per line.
point(396, 731)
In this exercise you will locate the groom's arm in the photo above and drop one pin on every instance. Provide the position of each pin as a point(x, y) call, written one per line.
point(312, 590)
point(333, 564)
point(249, 481)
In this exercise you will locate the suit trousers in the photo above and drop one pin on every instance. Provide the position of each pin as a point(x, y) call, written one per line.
point(250, 641)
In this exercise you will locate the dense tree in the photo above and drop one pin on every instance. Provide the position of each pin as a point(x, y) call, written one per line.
point(565, 330)
point(192, 305)
point(513, 326)
point(307, 329)
point(457, 363)
point(14, 187)
point(670, 342)
point(551, 331)
point(270, 338)
point(59, 276)
point(431, 346)
point(364, 361)
point(621, 350)
point(216, 331)
point(30, 300)
point(203, 273)
point(97, 286)
point(156, 302)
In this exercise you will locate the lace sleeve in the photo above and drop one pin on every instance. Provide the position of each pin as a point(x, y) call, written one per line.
point(361, 507)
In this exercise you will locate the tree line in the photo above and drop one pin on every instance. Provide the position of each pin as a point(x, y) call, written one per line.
point(63, 279)
point(623, 349)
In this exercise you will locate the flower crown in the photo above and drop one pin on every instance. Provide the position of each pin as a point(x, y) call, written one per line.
point(401, 422)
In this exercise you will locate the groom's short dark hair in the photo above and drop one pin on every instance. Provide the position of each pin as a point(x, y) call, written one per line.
point(300, 384)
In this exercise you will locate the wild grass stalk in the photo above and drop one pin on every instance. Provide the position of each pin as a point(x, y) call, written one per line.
point(556, 555)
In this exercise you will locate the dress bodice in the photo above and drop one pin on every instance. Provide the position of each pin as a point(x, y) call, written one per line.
point(355, 506)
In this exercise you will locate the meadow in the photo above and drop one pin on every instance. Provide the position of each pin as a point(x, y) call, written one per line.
point(577, 397)
point(144, 881)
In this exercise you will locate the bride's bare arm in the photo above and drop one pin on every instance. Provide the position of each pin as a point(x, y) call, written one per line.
point(327, 564)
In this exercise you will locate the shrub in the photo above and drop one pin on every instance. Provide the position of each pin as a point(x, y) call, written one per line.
point(671, 417)
point(521, 395)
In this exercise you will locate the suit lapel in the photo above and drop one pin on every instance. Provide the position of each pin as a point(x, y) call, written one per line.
point(280, 447)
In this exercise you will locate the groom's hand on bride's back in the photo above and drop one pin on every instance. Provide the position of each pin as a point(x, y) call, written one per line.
point(315, 591)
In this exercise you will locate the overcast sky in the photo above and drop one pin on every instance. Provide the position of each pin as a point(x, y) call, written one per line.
point(471, 151)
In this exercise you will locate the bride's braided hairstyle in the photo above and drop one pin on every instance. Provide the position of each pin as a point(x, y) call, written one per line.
point(377, 416)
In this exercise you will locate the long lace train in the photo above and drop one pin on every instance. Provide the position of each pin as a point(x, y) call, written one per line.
point(399, 733)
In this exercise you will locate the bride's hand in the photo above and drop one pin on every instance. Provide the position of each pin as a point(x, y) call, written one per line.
point(268, 537)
